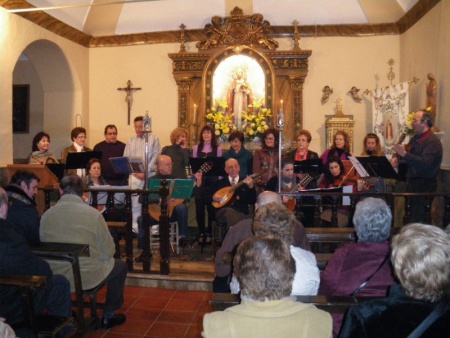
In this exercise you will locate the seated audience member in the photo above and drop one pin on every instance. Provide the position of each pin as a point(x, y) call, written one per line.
point(178, 152)
point(111, 147)
point(70, 216)
point(276, 220)
point(241, 231)
point(16, 258)
point(361, 269)
point(245, 195)
point(265, 269)
point(180, 211)
point(40, 153)
point(23, 213)
point(421, 260)
point(238, 152)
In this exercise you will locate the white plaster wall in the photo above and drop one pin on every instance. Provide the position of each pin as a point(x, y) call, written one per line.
point(16, 34)
point(338, 62)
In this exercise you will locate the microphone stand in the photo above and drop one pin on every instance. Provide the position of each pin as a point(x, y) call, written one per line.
point(280, 139)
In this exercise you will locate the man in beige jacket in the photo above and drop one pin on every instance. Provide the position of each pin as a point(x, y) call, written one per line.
point(71, 220)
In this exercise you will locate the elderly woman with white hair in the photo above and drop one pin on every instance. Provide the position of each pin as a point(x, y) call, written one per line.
point(361, 268)
point(265, 269)
point(419, 307)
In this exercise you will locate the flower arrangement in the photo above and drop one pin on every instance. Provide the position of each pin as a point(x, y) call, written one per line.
point(409, 129)
point(257, 119)
point(220, 120)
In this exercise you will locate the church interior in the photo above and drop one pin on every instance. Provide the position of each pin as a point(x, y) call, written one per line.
point(98, 62)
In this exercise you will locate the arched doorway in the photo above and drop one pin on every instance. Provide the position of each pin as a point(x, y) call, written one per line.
point(45, 69)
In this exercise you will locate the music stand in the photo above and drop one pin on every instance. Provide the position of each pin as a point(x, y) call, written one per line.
point(57, 169)
point(218, 168)
point(378, 166)
point(80, 160)
point(309, 166)
point(127, 165)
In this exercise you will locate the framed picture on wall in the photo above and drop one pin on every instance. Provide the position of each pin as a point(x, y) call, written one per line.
point(21, 108)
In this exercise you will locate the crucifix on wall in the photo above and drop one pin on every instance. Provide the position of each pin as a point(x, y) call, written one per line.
point(129, 97)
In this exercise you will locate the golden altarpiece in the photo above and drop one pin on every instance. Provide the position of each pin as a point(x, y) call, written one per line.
point(234, 45)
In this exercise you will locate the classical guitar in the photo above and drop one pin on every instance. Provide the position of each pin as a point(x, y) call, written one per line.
point(227, 194)
point(290, 204)
point(155, 209)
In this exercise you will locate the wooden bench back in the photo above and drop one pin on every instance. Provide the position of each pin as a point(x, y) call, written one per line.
point(222, 301)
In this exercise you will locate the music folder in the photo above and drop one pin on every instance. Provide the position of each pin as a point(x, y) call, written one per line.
point(218, 168)
point(378, 166)
point(80, 160)
point(127, 165)
point(57, 169)
point(308, 166)
point(178, 188)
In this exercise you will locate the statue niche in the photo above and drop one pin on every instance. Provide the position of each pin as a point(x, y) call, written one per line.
point(239, 62)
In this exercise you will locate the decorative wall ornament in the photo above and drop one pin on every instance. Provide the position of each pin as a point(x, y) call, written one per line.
point(327, 91)
point(390, 109)
point(354, 93)
point(238, 29)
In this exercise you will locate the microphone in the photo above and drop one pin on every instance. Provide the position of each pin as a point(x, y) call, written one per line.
point(147, 124)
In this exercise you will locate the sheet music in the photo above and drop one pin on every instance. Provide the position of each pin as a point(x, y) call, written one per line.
point(358, 166)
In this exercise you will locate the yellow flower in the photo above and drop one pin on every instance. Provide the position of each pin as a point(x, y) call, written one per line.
point(217, 132)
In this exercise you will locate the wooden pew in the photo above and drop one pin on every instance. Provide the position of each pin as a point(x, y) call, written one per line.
point(43, 325)
point(327, 240)
point(222, 301)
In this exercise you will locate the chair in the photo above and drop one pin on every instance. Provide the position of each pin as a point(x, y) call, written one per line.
point(92, 294)
point(174, 236)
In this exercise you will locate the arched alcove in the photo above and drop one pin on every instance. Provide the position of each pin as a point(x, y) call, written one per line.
point(44, 67)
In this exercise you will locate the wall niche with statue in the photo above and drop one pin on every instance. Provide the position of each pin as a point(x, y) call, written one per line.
point(239, 80)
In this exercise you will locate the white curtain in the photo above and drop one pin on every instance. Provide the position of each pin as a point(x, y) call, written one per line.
point(390, 108)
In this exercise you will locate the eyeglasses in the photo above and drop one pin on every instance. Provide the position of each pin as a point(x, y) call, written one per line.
point(270, 138)
point(81, 137)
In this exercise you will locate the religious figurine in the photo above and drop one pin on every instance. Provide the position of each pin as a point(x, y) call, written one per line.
point(239, 95)
point(432, 98)
point(327, 91)
point(354, 93)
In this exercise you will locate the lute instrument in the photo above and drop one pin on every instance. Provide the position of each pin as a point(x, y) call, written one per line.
point(227, 194)
point(155, 209)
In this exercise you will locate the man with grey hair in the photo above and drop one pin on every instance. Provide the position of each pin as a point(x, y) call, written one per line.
point(241, 231)
point(16, 258)
point(71, 220)
point(265, 268)
point(418, 306)
point(361, 268)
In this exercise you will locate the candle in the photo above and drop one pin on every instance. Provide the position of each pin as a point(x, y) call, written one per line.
point(195, 113)
point(281, 106)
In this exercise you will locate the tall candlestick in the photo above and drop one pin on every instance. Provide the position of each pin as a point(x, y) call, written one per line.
point(195, 113)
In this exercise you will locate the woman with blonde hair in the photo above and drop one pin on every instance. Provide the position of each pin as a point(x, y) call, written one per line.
point(372, 145)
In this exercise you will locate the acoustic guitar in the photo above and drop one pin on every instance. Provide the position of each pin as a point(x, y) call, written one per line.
point(155, 209)
point(290, 204)
point(227, 194)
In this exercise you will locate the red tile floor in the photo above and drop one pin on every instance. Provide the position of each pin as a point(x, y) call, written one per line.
point(164, 313)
